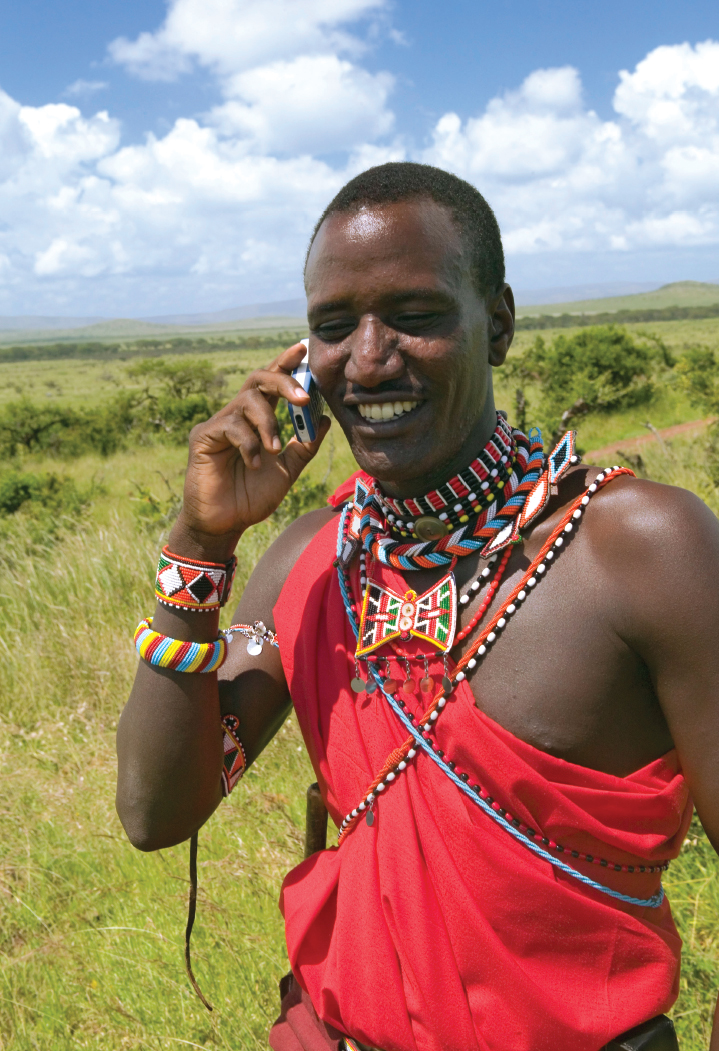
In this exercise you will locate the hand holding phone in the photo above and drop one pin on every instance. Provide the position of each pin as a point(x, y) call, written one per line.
point(306, 418)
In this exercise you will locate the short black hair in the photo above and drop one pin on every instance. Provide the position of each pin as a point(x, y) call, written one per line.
point(405, 180)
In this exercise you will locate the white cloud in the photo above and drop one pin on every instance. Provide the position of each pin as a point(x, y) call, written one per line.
point(230, 36)
point(562, 179)
point(217, 211)
point(313, 104)
point(84, 88)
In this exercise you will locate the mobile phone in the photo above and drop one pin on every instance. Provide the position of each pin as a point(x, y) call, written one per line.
point(306, 418)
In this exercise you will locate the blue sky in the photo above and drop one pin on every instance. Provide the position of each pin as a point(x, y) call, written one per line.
point(156, 157)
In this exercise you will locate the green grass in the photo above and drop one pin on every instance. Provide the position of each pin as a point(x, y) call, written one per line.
point(91, 949)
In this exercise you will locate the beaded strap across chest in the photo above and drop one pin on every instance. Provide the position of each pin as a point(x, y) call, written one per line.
point(421, 731)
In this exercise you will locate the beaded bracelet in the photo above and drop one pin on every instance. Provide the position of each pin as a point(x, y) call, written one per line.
point(187, 583)
point(163, 652)
point(234, 760)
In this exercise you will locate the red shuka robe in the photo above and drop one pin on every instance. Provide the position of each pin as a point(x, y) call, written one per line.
point(434, 929)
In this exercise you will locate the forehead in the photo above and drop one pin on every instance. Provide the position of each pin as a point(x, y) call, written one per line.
point(414, 240)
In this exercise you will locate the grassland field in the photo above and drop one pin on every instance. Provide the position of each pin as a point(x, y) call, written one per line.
point(91, 931)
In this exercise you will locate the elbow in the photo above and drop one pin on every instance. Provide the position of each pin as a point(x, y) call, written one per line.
point(149, 830)
point(147, 837)
point(140, 830)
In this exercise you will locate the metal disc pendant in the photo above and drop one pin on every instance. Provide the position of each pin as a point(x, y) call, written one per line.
point(254, 648)
point(430, 528)
point(426, 685)
point(409, 686)
point(358, 685)
point(370, 818)
point(371, 686)
point(391, 686)
point(447, 684)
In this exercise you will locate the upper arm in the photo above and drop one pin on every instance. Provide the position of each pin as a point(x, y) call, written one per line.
point(255, 688)
point(666, 568)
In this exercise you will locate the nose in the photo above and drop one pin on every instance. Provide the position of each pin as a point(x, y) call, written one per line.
point(374, 356)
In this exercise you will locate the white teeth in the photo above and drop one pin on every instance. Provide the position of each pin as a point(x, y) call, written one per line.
point(387, 410)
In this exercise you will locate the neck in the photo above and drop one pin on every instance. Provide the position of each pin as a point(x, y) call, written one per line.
point(476, 439)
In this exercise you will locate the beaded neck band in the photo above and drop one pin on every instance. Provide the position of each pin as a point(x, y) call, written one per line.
point(374, 534)
point(468, 493)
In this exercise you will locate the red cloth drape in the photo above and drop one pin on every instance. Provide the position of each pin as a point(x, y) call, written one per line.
point(434, 930)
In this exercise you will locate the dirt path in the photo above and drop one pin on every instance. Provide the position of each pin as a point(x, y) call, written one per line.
point(632, 444)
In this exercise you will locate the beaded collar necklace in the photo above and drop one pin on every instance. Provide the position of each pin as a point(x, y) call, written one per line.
point(524, 497)
point(471, 491)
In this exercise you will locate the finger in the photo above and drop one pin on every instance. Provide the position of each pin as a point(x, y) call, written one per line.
point(232, 431)
point(289, 359)
point(298, 454)
point(276, 385)
point(258, 413)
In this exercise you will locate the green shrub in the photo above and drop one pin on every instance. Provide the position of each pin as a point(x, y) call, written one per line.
point(698, 375)
point(172, 399)
point(600, 369)
point(40, 505)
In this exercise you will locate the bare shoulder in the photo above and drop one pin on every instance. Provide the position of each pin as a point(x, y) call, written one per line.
point(269, 575)
point(639, 523)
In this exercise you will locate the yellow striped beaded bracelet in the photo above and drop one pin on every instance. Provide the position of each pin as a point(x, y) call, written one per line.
point(163, 652)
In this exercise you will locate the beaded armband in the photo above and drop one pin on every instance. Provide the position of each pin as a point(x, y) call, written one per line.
point(163, 652)
point(186, 583)
point(234, 760)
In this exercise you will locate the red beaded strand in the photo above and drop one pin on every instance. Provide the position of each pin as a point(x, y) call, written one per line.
point(496, 581)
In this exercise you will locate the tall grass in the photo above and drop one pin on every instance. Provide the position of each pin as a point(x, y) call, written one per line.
point(91, 930)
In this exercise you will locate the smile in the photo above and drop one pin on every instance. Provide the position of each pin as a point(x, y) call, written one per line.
point(386, 410)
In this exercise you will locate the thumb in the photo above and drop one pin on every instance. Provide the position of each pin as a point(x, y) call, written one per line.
point(297, 455)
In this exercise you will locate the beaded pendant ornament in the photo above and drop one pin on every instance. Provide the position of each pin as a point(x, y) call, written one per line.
point(431, 616)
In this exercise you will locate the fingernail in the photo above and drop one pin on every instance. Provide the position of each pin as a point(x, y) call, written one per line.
point(256, 461)
point(276, 444)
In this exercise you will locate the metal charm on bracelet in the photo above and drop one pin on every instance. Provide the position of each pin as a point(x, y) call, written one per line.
point(257, 635)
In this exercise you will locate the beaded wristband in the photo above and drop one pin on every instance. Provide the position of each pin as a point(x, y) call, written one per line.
point(163, 652)
point(234, 761)
point(187, 583)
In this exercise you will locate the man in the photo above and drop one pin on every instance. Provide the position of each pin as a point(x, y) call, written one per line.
point(507, 800)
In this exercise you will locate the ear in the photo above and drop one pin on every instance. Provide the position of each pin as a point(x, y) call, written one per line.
point(501, 323)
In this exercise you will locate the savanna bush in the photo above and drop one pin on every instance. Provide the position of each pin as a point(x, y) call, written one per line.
point(599, 369)
point(171, 399)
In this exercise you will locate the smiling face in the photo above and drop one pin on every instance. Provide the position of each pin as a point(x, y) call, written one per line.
point(401, 341)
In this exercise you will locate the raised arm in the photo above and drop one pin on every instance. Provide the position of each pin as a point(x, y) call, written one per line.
point(169, 741)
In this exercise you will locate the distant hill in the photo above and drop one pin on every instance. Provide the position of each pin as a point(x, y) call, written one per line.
point(255, 315)
point(24, 323)
point(129, 329)
point(284, 308)
point(677, 294)
point(574, 293)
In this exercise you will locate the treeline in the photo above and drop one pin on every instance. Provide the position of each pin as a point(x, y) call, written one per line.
point(616, 317)
point(145, 348)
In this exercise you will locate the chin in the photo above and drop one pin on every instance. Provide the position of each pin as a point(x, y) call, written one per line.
point(395, 461)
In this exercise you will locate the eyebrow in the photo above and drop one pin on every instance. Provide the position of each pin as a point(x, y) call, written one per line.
point(427, 294)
